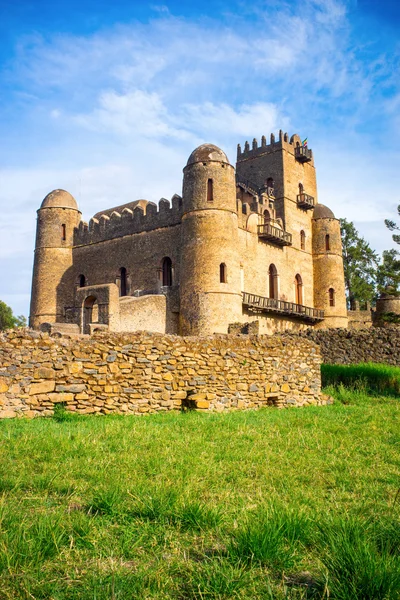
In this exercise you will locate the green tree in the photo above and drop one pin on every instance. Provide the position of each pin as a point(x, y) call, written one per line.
point(8, 320)
point(388, 276)
point(360, 264)
point(392, 226)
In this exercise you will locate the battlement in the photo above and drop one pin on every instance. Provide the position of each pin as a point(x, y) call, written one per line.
point(146, 216)
point(283, 142)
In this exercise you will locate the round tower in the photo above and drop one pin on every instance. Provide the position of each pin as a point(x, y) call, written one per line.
point(58, 215)
point(329, 290)
point(210, 291)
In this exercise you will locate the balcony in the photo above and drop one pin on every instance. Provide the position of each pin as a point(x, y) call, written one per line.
point(305, 201)
point(271, 305)
point(302, 154)
point(274, 235)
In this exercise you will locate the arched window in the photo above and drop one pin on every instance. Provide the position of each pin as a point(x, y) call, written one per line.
point(63, 232)
point(298, 282)
point(81, 281)
point(327, 242)
point(301, 188)
point(273, 281)
point(267, 216)
point(331, 297)
point(222, 273)
point(167, 271)
point(123, 283)
point(302, 240)
point(210, 191)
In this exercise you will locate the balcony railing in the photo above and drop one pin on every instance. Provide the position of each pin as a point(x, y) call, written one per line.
point(305, 201)
point(302, 154)
point(274, 235)
point(262, 304)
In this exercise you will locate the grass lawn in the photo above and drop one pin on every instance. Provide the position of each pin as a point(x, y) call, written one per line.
point(298, 503)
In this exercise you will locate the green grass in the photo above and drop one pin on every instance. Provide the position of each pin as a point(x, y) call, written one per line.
point(295, 504)
point(370, 377)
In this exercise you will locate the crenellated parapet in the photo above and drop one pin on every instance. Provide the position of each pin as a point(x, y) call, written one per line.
point(258, 149)
point(144, 216)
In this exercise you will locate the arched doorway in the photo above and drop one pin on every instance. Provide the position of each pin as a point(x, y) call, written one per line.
point(267, 217)
point(298, 282)
point(273, 281)
point(167, 271)
point(90, 313)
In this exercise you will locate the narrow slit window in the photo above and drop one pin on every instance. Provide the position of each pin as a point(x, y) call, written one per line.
point(210, 191)
point(63, 232)
point(123, 287)
point(327, 242)
point(222, 273)
point(302, 240)
point(331, 297)
point(167, 271)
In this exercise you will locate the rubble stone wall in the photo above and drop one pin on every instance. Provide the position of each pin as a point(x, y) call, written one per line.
point(146, 372)
point(344, 346)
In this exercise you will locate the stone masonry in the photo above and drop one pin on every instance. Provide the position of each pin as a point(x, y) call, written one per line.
point(147, 373)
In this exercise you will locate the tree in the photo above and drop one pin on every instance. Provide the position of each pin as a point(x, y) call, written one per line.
point(8, 320)
point(360, 264)
point(392, 226)
point(388, 278)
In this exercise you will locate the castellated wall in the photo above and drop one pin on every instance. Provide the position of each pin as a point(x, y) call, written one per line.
point(144, 217)
point(146, 373)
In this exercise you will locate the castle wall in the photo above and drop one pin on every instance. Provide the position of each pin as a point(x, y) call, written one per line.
point(146, 373)
point(140, 254)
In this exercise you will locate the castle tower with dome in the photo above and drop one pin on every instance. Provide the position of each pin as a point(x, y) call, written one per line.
point(242, 248)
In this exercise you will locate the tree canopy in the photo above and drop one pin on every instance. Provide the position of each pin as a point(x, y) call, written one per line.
point(388, 274)
point(392, 226)
point(360, 264)
point(8, 320)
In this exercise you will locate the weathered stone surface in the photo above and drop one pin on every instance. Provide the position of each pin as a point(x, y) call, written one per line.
point(44, 373)
point(217, 373)
point(43, 387)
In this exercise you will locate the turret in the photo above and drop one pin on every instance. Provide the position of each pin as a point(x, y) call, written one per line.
point(210, 288)
point(57, 218)
point(329, 290)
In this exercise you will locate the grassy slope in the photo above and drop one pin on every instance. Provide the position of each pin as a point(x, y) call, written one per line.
point(268, 504)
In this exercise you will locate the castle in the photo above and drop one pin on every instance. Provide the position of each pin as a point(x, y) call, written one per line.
point(240, 247)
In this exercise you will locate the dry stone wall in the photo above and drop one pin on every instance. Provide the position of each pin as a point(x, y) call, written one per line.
point(344, 346)
point(145, 373)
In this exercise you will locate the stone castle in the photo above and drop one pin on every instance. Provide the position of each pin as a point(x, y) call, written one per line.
point(242, 249)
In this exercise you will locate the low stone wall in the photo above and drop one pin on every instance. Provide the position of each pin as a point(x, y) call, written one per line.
point(144, 373)
point(344, 346)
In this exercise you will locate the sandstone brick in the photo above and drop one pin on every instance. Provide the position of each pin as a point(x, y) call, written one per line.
point(44, 373)
point(42, 388)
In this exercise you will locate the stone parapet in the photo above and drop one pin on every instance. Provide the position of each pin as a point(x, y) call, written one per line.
point(146, 373)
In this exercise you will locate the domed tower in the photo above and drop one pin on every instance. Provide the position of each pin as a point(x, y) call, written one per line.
point(329, 290)
point(210, 294)
point(57, 218)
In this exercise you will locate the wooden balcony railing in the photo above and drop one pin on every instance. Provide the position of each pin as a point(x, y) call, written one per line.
point(274, 235)
point(260, 303)
point(303, 154)
point(305, 201)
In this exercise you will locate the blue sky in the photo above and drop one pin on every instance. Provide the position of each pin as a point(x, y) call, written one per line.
point(108, 99)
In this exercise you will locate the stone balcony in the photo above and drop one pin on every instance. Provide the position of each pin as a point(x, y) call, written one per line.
point(305, 201)
point(303, 154)
point(274, 235)
point(291, 309)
